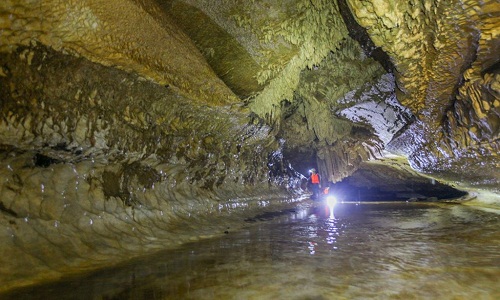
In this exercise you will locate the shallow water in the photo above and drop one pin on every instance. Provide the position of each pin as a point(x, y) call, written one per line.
point(353, 251)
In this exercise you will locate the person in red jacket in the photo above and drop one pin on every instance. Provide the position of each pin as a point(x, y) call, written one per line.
point(314, 182)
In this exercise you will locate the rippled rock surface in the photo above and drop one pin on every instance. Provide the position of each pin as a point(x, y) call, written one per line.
point(100, 165)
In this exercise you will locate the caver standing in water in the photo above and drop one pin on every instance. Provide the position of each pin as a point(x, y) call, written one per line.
point(314, 181)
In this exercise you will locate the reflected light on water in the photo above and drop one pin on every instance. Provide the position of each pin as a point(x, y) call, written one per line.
point(331, 201)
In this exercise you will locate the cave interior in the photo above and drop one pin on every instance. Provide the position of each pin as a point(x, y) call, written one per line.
point(138, 113)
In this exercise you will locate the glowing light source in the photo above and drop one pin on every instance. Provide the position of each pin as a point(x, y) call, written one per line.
point(331, 201)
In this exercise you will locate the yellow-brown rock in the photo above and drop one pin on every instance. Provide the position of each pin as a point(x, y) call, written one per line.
point(128, 126)
point(131, 35)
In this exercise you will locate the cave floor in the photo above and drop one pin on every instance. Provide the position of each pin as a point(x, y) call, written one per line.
point(353, 251)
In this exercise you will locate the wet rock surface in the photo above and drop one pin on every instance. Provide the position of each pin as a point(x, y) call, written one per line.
point(101, 165)
point(444, 57)
point(128, 126)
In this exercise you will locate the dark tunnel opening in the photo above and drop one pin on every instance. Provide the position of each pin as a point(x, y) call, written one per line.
point(412, 191)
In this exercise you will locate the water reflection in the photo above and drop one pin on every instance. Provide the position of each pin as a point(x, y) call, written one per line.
point(348, 251)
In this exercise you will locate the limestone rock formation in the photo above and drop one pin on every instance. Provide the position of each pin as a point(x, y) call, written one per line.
point(103, 165)
point(133, 125)
point(445, 55)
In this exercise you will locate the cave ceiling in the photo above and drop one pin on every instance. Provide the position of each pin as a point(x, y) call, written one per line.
point(336, 82)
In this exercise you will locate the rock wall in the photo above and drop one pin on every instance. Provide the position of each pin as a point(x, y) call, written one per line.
point(445, 55)
point(98, 165)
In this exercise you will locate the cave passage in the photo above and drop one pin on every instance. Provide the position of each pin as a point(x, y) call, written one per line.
point(187, 127)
